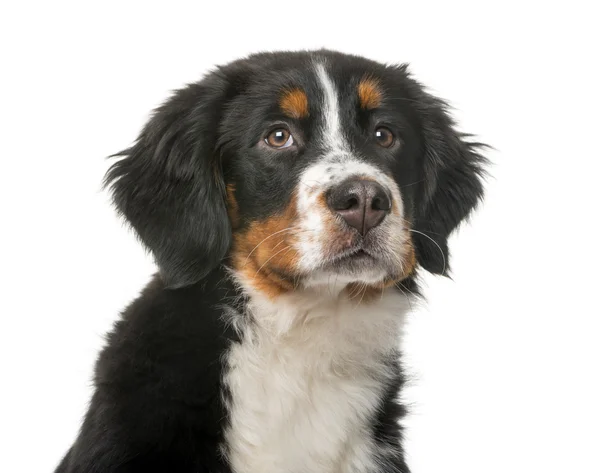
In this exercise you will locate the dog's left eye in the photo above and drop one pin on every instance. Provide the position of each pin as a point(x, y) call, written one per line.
point(384, 137)
point(280, 138)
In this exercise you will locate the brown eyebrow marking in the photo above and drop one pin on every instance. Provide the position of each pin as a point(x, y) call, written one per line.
point(294, 103)
point(369, 93)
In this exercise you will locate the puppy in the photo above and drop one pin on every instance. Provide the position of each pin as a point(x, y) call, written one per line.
point(289, 200)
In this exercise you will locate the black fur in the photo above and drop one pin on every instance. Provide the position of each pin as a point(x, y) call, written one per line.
point(452, 184)
point(157, 405)
point(158, 401)
point(169, 185)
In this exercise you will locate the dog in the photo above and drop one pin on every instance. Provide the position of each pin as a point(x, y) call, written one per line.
point(290, 200)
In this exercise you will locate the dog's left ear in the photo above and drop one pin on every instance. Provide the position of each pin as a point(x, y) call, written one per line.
point(169, 185)
point(452, 182)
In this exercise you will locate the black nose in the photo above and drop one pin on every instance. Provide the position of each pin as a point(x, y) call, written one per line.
point(363, 204)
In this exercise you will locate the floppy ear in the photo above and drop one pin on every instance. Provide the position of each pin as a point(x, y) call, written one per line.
point(169, 184)
point(452, 185)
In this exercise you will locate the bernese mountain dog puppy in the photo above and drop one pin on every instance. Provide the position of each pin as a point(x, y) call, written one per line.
point(289, 200)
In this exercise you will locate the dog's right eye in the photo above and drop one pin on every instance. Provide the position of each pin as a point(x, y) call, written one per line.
point(280, 138)
point(384, 137)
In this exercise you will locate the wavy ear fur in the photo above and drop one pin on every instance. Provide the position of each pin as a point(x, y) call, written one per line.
point(452, 185)
point(169, 185)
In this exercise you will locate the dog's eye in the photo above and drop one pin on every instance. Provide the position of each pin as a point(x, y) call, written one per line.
point(280, 138)
point(384, 137)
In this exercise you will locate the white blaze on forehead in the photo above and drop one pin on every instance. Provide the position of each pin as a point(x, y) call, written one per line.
point(332, 134)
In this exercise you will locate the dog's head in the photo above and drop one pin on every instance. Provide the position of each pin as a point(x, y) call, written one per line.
point(296, 168)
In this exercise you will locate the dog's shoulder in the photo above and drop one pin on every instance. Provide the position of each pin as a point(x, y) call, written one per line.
point(158, 380)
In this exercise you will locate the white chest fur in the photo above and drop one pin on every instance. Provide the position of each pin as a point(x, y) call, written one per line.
point(305, 382)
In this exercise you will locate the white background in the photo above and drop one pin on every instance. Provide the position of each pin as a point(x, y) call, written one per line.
point(504, 358)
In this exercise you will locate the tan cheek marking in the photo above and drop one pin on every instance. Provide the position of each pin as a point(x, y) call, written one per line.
point(369, 93)
point(267, 249)
point(294, 103)
point(232, 206)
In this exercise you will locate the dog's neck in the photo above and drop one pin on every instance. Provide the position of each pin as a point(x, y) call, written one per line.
point(337, 316)
point(321, 362)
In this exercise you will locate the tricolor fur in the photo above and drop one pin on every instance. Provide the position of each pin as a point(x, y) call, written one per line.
point(289, 200)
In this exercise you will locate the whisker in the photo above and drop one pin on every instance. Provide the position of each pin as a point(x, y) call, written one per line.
point(408, 224)
point(411, 184)
point(405, 295)
point(412, 293)
point(358, 291)
point(272, 249)
point(404, 99)
point(312, 188)
point(335, 281)
point(363, 295)
point(271, 257)
point(350, 292)
point(435, 243)
point(270, 236)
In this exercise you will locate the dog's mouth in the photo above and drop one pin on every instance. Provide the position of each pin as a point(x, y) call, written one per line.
point(358, 253)
point(353, 259)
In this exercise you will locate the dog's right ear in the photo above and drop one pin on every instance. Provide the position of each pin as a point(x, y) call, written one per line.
point(169, 185)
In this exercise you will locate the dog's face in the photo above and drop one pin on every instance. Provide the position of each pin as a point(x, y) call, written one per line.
point(319, 163)
point(299, 169)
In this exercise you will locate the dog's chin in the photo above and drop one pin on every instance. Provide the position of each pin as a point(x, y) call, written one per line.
point(354, 266)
